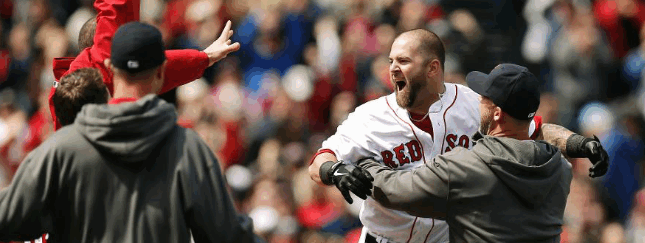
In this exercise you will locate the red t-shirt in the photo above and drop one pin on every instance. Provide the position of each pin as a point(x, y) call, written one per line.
point(422, 122)
point(121, 100)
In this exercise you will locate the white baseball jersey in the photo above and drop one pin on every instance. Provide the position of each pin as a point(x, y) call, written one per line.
point(382, 130)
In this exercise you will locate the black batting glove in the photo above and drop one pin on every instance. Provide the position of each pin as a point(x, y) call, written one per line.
point(347, 177)
point(581, 147)
point(598, 157)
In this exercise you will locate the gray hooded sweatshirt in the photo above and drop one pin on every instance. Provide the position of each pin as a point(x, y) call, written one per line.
point(122, 173)
point(503, 190)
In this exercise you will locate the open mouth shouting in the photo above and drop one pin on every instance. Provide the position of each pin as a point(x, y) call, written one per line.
point(404, 90)
point(399, 83)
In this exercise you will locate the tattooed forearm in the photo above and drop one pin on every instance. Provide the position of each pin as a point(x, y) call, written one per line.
point(556, 135)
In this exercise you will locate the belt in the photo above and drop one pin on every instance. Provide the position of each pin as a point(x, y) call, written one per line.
point(369, 238)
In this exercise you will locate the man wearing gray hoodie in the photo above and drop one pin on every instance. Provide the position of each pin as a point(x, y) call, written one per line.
point(507, 188)
point(124, 172)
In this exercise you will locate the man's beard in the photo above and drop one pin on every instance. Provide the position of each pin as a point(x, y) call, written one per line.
point(406, 97)
point(486, 120)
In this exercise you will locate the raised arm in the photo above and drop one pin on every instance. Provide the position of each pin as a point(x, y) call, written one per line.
point(110, 15)
point(184, 66)
point(573, 145)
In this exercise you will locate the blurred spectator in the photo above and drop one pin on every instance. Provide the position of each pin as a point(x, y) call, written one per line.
point(502, 24)
point(613, 233)
point(41, 124)
point(621, 138)
point(548, 109)
point(74, 25)
point(209, 129)
point(359, 46)
point(635, 63)
point(640, 96)
point(343, 104)
point(468, 42)
point(231, 104)
point(328, 46)
point(379, 83)
point(15, 64)
point(270, 208)
point(272, 38)
point(190, 102)
point(412, 15)
point(326, 211)
point(323, 90)
point(583, 215)
point(535, 44)
point(580, 60)
point(6, 12)
point(13, 124)
point(621, 20)
point(636, 224)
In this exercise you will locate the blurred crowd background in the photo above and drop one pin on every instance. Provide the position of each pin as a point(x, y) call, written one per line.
point(304, 65)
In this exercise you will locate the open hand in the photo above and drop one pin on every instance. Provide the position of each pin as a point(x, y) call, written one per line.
point(222, 46)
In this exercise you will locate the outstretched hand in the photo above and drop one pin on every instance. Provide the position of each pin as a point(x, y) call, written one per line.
point(222, 46)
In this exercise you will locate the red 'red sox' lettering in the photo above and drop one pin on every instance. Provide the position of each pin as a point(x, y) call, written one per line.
point(414, 149)
point(387, 158)
point(400, 156)
point(452, 142)
point(404, 156)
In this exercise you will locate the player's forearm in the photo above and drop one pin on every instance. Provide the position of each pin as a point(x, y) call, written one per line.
point(314, 168)
point(556, 135)
point(184, 66)
point(409, 191)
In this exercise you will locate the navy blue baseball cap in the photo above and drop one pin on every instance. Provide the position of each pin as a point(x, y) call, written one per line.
point(137, 47)
point(511, 87)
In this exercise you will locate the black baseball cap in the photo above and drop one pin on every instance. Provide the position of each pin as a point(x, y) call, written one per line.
point(511, 87)
point(137, 47)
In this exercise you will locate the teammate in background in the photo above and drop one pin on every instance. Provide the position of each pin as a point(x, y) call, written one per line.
point(507, 188)
point(83, 86)
point(423, 118)
point(183, 66)
point(126, 171)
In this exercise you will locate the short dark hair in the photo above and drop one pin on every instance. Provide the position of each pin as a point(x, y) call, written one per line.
point(83, 86)
point(429, 43)
point(86, 35)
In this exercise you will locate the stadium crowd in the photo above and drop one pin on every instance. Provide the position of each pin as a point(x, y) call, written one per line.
point(304, 66)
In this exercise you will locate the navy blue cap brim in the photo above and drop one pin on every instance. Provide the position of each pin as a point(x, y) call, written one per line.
point(478, 82)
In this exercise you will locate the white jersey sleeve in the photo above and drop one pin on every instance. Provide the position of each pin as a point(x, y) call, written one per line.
point(350, 142)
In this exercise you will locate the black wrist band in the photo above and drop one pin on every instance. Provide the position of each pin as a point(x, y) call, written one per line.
point(326, 170)
point(576, 145)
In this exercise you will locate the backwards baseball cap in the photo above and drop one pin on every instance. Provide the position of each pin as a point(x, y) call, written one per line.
point(511, 87)
point(137, 47)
